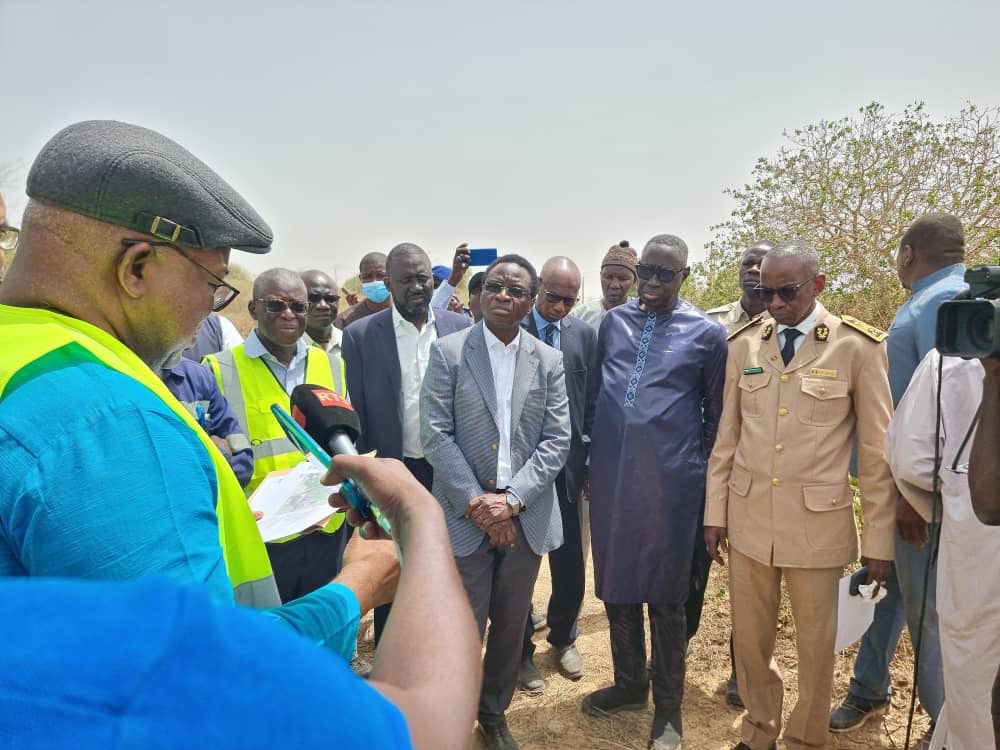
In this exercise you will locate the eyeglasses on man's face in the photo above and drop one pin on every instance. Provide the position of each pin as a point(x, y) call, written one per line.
point(278, 305)
point(787, 293)
point(514, 292)
point(645, 272)
point(222, 293)
point(555, 299)
point(316, 297)
point(8, 237)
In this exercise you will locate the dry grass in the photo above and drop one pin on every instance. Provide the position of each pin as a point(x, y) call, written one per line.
point(554, 720)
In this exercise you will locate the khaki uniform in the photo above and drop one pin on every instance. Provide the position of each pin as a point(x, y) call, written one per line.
point(732, 316)
point(778, 482)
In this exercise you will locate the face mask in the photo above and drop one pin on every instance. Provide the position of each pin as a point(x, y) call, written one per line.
point(376, 291)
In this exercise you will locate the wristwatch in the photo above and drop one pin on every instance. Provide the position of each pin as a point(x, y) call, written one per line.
point(515, 503)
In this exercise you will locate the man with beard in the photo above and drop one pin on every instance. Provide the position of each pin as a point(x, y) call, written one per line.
point(386, 357)
point(617, 278)
point(323, 297)
point(662, 372)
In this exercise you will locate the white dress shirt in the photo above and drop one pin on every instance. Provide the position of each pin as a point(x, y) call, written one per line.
point(230, 336)
point(804, 327)
point(503, 358)
point(288, 377)
point(442, 295)
point(413, 348)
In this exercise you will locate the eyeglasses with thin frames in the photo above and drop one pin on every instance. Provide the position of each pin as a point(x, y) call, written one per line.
point(787, 293)
point(222, 293)
point(514, 292)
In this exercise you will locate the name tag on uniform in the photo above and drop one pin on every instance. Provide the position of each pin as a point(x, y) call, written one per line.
point(819, 372)
point(754, 370)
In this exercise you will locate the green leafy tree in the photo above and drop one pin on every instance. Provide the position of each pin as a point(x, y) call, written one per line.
point(851, 187)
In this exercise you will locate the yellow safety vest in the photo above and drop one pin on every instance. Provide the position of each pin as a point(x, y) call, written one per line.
point(250, 388)
point(29, 334)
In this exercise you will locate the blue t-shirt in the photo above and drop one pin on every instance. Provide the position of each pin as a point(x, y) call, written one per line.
point(100, 479)
point(151, 666)
point(914, 329)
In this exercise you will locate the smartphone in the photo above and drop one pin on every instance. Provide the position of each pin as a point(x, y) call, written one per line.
point(304, 442)
point(482, 256)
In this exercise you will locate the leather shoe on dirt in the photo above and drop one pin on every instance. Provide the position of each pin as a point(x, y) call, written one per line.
point(569, 662)
point(611, 700)
point(664, 734)
point(497, 736)
point(854, 712)
point(733, 693)
point(529, 678)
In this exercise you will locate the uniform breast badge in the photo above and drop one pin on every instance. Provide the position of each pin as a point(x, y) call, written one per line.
point(822, 332)
point(766, 332)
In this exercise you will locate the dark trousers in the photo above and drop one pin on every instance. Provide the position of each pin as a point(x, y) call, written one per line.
point(701, 564)
point(423, 472)
point(667, 625)
point(499, 585)
point(569, 579)
point(307, 563)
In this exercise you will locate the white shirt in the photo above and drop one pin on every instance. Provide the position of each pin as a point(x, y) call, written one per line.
point(442, 295)
point(503, 358)
point(332, 346)
point(230, 336)
point(413, 348)
point(288, 377)
point(804, 327)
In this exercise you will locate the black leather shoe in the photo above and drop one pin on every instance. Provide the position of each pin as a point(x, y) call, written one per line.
point(497, 736)
point(854, 712)
point(611, 700)
point(745, 746)
point(733, 692)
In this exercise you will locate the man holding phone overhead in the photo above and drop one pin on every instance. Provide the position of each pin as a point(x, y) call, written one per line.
point(464, 258)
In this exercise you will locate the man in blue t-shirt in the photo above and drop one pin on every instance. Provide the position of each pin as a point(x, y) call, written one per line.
point(153, 665)
point(930, 263)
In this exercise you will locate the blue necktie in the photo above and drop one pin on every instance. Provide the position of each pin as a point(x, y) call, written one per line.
point(550, 334)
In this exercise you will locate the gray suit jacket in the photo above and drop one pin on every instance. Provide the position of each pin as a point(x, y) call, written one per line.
point(460, 435)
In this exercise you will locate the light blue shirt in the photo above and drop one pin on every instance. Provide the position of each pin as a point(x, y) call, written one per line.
point(541, 324)
point(289, 377)
point(914, 329)
point(100, 479)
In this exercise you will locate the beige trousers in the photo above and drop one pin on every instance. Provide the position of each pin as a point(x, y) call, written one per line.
point(755, 595)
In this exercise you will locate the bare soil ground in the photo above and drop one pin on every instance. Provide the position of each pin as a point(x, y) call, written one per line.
point(553, 720)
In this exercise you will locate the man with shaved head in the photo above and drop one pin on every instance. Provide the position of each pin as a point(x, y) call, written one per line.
point(323, 296)
point(799, 387)
point(386, 357)
point(372, 272)
point(263, 371)
point(550, 321)
point(662, 370)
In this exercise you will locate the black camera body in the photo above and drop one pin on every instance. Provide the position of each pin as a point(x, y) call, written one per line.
point(969, 325)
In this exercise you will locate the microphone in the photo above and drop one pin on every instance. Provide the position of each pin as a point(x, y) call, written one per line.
point(330, 420)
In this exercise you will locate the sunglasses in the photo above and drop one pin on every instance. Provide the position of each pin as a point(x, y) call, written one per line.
point(787, 293)
point(514, 292)
point(646, 272)
point(331, 299)
point(278, 306)
point(222, 293)
point(555, 299)
point(8, 237)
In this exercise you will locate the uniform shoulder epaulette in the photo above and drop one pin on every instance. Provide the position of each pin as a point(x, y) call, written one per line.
point(756, 320)
point(875, 334)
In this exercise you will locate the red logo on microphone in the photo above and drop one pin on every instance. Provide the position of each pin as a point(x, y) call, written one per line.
point(329, 398)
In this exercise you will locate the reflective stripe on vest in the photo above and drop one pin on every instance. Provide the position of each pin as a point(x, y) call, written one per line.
point(29, 334)
point(251, 388)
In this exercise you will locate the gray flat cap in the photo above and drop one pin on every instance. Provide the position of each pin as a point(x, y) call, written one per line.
point(139, 179)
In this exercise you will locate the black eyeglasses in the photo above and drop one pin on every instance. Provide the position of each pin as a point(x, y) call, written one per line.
point(222, 293)
point(8, 237)
point(514, 292)
point(555, 299)
point(646, 272)
point(278, 306)
point(787, 293)
point(331, 299)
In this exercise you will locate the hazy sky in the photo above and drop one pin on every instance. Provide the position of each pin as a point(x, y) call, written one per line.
point(538, 127)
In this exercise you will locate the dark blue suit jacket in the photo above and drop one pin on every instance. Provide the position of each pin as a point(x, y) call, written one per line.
point(374, 381)
point(578, 343)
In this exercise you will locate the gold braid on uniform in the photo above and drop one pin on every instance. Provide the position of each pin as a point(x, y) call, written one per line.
point(754, 321)
point(875, 334)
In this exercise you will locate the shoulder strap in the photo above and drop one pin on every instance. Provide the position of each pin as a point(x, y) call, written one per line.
point(875, 334)
point(756, 320)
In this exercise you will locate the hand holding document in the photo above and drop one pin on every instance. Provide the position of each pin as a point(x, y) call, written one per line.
point(292, 502)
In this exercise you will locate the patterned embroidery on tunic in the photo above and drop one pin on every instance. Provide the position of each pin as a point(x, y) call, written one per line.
point(640, 360)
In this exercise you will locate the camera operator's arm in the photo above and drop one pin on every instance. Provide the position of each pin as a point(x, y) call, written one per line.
point(984, 459)
point(428, 659)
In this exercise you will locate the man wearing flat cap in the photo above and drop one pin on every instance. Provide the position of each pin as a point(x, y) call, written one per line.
point(104, 474)
point(617, 278)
